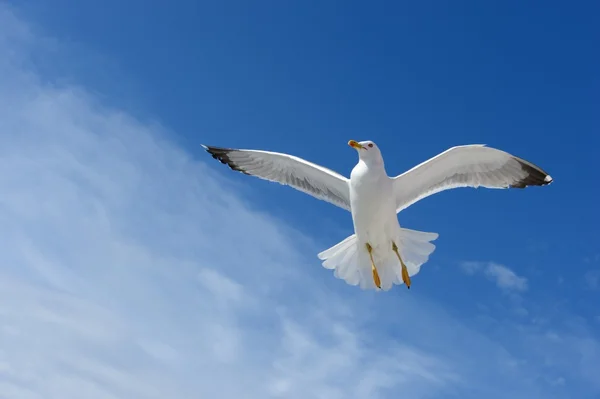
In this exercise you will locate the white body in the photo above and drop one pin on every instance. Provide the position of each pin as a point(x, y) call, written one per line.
point(372, 205)
point(375, 222)
point(373, 209)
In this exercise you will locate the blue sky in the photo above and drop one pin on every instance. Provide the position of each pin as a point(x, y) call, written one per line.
point(136, 266)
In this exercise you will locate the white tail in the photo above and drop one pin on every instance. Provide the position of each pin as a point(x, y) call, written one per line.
point(354, 267)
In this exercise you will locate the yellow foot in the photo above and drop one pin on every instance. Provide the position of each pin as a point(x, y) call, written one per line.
point(376, 278)
point(405, 276)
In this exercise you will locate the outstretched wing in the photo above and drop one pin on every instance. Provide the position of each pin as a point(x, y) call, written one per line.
point(466, 166)
point(298, 173)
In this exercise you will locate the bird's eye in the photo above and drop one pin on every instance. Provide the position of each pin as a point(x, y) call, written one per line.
point(371, 145)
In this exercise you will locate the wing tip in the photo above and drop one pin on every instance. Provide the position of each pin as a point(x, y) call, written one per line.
point(534, 177)
point(222, 155)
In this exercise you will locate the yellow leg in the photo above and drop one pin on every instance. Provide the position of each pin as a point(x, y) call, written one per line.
point(373, 268)
point(405, 276)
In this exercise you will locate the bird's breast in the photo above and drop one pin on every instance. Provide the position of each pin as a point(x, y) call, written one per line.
point(371, 198)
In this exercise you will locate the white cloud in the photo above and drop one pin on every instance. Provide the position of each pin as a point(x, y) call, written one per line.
point(506, 278)
point(130, 270)
point(503, 276)
point(470, 267)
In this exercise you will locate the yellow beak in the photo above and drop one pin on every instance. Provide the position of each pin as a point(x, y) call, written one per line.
point(355, 145)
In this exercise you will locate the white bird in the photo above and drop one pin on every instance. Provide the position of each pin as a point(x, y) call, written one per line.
point(380, 253)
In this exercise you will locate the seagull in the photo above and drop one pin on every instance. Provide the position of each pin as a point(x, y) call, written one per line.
point(380, 253)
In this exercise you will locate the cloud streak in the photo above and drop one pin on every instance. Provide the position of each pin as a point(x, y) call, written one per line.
point(129, 271)
point(592, 279)
point(503, 276)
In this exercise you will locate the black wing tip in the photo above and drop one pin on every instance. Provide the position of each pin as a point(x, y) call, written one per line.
point(535, 177)
point(222, 155)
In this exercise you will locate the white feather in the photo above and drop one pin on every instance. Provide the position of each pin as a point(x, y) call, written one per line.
point(312, 179)
point(466, 166)
point(414, 246)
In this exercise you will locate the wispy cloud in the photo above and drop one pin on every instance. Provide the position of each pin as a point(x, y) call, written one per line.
point(503, 276)
point(592, 258)
point(471, 267)
point(131, 270)
point(592, 279)
point(128, 270)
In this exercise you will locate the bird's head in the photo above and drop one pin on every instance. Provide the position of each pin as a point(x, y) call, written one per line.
point(367, 151)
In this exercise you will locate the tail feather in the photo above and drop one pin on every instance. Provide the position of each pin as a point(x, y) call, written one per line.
point(340, 246)
point(415, 248)
point(344, 258)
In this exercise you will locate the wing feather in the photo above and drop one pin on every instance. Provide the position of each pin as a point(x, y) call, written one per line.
point(285, 169)
point(466, 166)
